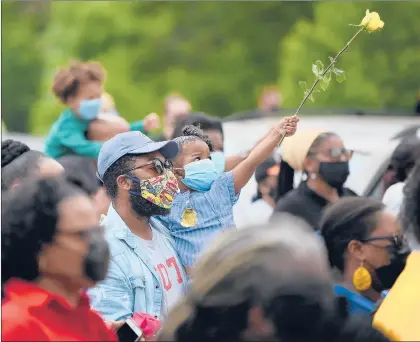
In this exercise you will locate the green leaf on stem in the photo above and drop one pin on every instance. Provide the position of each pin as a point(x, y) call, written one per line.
point(315, 70)
point(320, 66)
point(303, 85)
point(311, 97)
point(331, 59)
point(325, 81)
point(340, 75)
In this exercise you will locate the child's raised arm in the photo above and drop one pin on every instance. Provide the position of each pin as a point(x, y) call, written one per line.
point(244, 171)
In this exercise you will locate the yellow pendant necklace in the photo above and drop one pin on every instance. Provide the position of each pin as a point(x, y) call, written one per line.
point(189, 216)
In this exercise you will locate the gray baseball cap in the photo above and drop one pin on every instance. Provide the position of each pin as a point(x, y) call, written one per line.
point(132, 143)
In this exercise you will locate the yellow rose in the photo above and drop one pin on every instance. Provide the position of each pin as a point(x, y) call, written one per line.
point(372, 21)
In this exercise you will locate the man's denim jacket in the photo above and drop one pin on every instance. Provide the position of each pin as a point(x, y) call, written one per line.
point(132, 284)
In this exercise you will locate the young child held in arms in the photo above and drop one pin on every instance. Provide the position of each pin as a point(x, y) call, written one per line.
point(204, 207)
point(79, 87)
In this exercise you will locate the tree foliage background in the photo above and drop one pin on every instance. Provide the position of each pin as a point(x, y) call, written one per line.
point(217, 54)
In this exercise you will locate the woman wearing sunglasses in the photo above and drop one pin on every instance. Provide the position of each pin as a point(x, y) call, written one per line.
point(405, 293)
point(324, 161)
point(366, 245)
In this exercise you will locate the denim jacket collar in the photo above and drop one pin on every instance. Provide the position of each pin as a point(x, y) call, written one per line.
point(119, 228)
point(123, 233)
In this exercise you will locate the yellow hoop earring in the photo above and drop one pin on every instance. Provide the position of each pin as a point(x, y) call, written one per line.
point(362, 280)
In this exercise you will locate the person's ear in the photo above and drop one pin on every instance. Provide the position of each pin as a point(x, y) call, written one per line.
point(179, 172)
point(356, 251)
point(124, 183)
point(264, 189)
point(43, 260)
point(310, 165)
point(258, 325)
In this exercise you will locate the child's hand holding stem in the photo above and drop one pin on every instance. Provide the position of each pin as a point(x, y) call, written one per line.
point(287, 126)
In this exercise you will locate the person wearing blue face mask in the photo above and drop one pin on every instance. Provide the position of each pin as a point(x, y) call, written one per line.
point(78, 130)
point(204, 207)
point(212, 127)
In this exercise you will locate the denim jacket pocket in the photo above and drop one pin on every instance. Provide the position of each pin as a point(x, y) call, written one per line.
point(137, 282)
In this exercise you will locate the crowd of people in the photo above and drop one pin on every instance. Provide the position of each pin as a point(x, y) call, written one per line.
point(111, 223)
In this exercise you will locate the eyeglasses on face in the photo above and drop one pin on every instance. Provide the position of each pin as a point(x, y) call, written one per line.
point(335, 153)
point(399, 241)
point(83, 234)
point(159, 165)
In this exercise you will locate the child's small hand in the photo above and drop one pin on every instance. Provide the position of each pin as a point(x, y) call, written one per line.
point(151, 122)
point(288, 125)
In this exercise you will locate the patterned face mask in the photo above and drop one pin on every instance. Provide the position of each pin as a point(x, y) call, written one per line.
point(160, 190)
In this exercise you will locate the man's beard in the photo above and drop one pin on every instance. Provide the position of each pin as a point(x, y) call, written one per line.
point(144, 208)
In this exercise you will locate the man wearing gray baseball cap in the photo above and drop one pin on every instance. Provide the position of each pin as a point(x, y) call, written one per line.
point(145, 274)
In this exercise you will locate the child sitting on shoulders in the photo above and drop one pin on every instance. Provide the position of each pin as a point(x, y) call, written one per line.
point(80, 88)
point(204, 207)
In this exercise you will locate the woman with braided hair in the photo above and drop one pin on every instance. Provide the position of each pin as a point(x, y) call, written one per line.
point(18, 162)
point(274, 286)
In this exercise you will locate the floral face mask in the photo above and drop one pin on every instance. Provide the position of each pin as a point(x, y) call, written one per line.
point(160, 190)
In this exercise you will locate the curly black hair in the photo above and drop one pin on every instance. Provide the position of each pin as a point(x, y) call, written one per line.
point(117, 169)
point(17, 162)
point(81, 171)
point(350, 218)
point(410, 213)
point(11, 149)
point(201, 120)
point(193, 133)
point(29, 219)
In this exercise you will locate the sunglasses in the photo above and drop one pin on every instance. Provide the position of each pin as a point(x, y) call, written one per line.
point(335, 153)
point(399, 242)
point(158, 165)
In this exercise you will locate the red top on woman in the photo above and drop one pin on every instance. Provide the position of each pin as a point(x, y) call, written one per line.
point(29, 313)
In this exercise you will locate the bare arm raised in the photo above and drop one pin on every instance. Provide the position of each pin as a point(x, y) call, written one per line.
point(244, 171)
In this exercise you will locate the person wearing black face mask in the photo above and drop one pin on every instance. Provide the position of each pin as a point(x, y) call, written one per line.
point(366, 244)
point(52, 251)
point(404, 297)
point(324, 161)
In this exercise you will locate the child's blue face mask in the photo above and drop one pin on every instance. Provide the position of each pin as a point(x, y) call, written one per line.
point(200, 175)
point(218, 158)
point(89, 109)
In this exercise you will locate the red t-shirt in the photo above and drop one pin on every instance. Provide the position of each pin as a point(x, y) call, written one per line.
point(30, 313)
